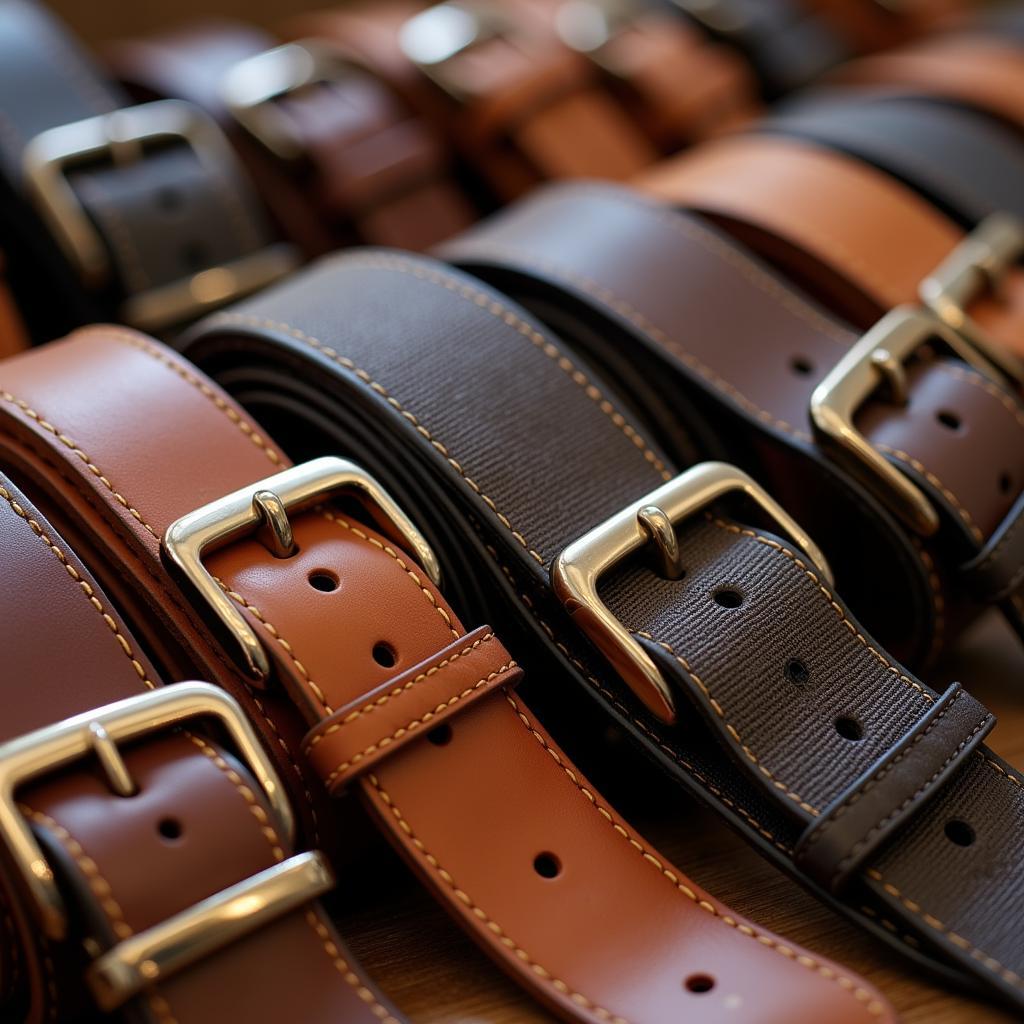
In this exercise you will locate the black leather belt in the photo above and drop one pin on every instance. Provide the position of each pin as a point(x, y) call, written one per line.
point(107, 210)
point(733, 662)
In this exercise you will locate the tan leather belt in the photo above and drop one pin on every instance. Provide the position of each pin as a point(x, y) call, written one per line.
point(337, 157)
point(130, 829)
point(514, 101)
point(355, 670)
point(726, 652)
point(139, 212)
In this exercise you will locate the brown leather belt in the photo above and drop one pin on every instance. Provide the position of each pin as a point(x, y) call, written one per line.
point(854, 236)
point(337, 156)
point(355, 671)
point(515, 102)
point(733, 663)
point(111, 210)
point(148, 862)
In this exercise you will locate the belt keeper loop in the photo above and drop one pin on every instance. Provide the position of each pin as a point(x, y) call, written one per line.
point(893, 789)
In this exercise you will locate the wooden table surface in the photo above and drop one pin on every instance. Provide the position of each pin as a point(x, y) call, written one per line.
point(436, 975)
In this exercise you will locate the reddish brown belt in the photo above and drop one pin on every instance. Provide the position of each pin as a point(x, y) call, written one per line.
point(328, 629)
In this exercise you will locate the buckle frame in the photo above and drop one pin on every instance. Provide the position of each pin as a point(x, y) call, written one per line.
point(47, 749)
point(121, 136)
point(439, 34)
point(981, 260)
point(879, 357)
point(251, 87)
point(221, 521)
point(577, 571)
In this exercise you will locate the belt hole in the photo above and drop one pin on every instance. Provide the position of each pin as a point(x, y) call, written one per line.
point(699, 983)
point(959, 832)
point(323, 580)
point(728, 597)
point(801, 365)
point(949, 420)
point(440, 735)
point(195, 256)
point(170, 829)
point(797, 671)
point(849, 728)
point(384, 654)
point(547, 865)
point(1005, 483)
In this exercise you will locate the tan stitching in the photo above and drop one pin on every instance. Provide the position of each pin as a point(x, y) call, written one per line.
point(903, 456)
point(1002, 771)
point(84, 586)
point(612, 699)
point(90, 465)
point(827, 594)
point(100, 888)
point(396, 692)
point(537, 969)
point(241, 422)
point(402, 564)
point(117, 233)
point(415, 723)
point(764, 939)
point(977, 380)
point(640, 320)
point(731, 729)
point(959, 941)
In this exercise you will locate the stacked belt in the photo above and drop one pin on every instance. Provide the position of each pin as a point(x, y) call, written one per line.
point(213, 557)
point(731, 659)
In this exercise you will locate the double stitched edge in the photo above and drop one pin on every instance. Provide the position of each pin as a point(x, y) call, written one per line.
point(783, 701)
point(135, 786)
point(139, 212)
point(491, 815)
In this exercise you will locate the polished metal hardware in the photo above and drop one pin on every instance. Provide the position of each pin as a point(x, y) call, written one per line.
point(48, 749)
point(122, 137)
point(218, 523)
point(577, 571)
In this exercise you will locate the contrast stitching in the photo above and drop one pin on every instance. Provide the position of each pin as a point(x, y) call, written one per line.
point(241, 422)
point(764, 939)
point(101, 889)
point(731, 729)
point(87, 590)
point(90, 465)
point(974, 378)
point(612, 699)
point(827, 594)
point(415, 723)
point(343, 361)
point(989, 962)
point(640, 320)
point(280, 641)
point(402, 564)
point(898, 453)
point(269, 833)
point(379, 702)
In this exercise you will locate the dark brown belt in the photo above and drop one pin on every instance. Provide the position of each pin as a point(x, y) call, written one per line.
point(357, 674)
point(112, 210)
point(733, 662)
point(337, 156)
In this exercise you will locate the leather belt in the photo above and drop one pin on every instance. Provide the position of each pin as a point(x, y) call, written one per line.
point(139, 212)
point(516, 103)
point(856, 237)
point(747, 678)
point(356, 671)
point(147, 860)
point(337, 157)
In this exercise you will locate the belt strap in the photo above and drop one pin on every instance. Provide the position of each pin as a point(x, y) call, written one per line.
point(780, 700)
point(192, 822)
point(693, 315)
point(492, 816)
point(336, 155)
point(850, 234)
point(516, 103)
point(139, 212)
